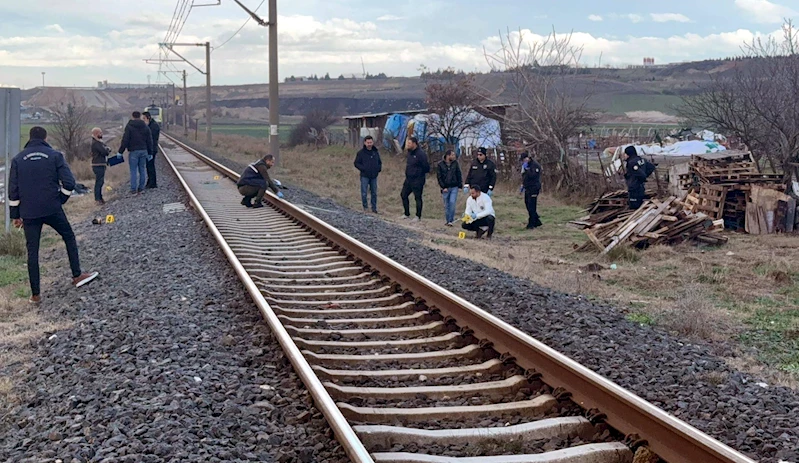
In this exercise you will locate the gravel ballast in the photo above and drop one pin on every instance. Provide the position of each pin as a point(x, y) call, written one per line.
point(672, 373)
point(167, 359)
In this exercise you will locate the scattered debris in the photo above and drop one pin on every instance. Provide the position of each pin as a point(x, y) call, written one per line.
point(655, 222)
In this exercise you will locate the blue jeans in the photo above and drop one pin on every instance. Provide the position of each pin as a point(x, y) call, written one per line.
point(450, 196)
point(138, 170)
point(369, 184)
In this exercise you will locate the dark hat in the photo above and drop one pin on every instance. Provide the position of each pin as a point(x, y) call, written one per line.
point(482, 151)
point(630, 151)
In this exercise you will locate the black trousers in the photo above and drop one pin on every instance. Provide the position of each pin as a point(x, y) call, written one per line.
point(531, 202)
point(249, 192)
point(151, 180)
point(99, 181)
point(416, 189)
point(636, 197)
point(33, 235)
point(488, 221)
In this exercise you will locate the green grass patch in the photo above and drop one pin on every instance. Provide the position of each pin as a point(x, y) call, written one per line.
point(12, 270)
point(640, 318)
point(774, 333)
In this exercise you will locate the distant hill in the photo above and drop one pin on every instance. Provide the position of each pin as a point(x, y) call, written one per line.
point(616, 92)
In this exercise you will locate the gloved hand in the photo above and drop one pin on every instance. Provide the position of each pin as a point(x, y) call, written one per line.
point(521, 189)
point(280, 194)
point(149, 158)
point(525, 166)
point(119, 155)
point(490, 193)
point(474, 216)
point(466, 189)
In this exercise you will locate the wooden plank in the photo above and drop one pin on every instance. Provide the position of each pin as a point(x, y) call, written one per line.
point(594, 240)
point(790, 216)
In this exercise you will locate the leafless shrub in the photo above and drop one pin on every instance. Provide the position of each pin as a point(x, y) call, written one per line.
point(71, 129)
point(543, 72)
point(457, 104)
point(755, 101)
point(313, 126)
point(693, 314)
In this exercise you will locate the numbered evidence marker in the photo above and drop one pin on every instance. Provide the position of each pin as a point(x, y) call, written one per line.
point(461, 235)
point(216, 177)
point(109, 219)
point(108, 188)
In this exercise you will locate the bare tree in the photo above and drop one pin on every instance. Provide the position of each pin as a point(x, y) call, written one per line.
point(313, 129)
point(758, 101)
point(71, 128)
point(544, 80)
point(456, 103)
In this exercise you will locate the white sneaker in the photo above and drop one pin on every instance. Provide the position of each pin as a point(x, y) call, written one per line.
point(406, 217)
point(416, 219)
point(84, 278)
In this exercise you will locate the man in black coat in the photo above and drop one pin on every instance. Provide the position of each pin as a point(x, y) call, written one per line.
point(531, 187)
point(368, 162)
point(40, 183)
point(637, 169)
point(138, 141)
point(482, 172)
point(155, 130)
point(416, 168)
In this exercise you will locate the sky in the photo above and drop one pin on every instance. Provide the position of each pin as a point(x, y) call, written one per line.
point(78, 43)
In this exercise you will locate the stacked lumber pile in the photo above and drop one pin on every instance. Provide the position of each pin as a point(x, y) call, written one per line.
point(607, 207)
point(655, 222)
point(719, 185)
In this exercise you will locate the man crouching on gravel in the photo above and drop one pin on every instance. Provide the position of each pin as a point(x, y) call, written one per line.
point(40, 184)
point(480, 211)
point(254, 181)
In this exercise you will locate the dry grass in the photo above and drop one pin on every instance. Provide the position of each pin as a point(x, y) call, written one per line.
point(746, 291)
point(12, 244)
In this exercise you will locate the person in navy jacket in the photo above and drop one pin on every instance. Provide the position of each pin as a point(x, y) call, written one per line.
point(40, 183)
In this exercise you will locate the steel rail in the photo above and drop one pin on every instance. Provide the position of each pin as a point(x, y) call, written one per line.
point(674, 440)
point(346, 436)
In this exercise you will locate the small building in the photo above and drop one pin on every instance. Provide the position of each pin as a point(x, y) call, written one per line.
point(360, 125)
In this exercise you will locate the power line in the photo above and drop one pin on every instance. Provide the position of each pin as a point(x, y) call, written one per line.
point(240, 28)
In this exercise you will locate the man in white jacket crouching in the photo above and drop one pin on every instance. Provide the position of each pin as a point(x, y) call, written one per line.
point(479, 216)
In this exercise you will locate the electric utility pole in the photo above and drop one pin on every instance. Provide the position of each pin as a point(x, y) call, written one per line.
point(274, 95)
point(207, 73)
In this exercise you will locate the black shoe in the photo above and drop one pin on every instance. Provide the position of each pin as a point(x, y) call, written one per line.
point(246, 202)
point(257, 205)
point(480, 233)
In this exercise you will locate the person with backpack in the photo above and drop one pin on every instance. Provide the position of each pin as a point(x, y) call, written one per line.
point(368, 163)
point(450, 180)
point(637, 170)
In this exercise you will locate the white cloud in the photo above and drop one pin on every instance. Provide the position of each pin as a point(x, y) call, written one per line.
point(54, 28)
point(666, 17)
point(390, 17)
point(764, 11)
point(636, 18)
point(594, 17)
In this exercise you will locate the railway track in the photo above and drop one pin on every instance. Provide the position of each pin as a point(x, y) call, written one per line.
point(407, 372)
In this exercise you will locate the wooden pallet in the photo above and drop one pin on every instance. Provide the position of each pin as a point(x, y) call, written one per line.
point(711, 200)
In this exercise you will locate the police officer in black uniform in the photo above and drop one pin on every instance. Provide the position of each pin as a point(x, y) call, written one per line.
point(531, 186)
point(482, 172)
point(637, 169)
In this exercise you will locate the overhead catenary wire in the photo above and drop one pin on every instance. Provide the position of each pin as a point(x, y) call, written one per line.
point(240, 28)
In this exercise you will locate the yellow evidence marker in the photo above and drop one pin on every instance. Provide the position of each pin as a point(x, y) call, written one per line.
point(461, 235)
point(216, 177)
point(109, 219)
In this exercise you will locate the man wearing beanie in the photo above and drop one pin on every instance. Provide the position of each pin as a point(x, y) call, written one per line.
point(482, 172)
point(636, 172)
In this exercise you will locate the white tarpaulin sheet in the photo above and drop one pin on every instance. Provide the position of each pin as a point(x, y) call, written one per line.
point(682, 148)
